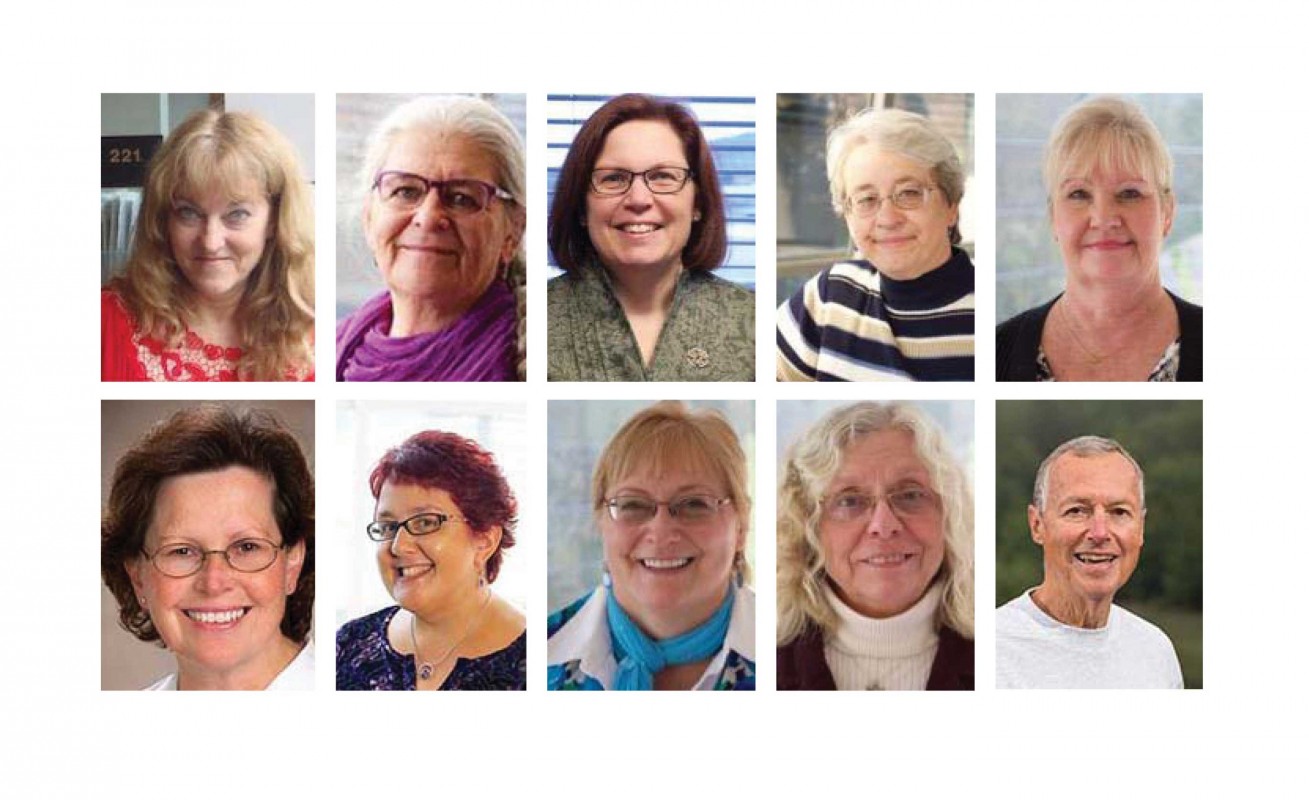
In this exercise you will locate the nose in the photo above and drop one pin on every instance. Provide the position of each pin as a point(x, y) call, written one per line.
point(430, 213)
point(402, 543)
point(1104, 212)
point(638, 194)
point(212, 235)
point(215, 574)
point(1099, 527)
point(663, 525)
point(887, 214)
point(883, 521)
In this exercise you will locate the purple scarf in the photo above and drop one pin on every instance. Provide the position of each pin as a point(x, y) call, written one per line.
point(480, 346)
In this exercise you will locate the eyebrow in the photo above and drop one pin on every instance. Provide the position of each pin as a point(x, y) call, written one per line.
point(378, 512)
point(896, 182)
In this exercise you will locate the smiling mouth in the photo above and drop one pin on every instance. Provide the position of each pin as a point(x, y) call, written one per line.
point(887, 560)
point(414, 570)
point(1108, 245)
point(638, 227)
point(1095, 558)
point(217, 617)
point(663, 564)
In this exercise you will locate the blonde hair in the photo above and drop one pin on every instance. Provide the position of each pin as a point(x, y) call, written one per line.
point(276, 312)
point(811, 464)
point(484, 125)
point(1103, 133)
point(668, 435)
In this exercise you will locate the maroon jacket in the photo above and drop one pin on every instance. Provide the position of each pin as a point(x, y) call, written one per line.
point(801, 665)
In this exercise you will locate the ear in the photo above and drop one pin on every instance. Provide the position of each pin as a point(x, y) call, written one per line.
point(486, 543)
point(133, 568)
point(1170, 209)
point(1036, 525)
point(295, 561)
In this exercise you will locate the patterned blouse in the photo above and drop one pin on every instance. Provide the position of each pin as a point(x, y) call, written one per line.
point(365, 660)
point(1165, 370)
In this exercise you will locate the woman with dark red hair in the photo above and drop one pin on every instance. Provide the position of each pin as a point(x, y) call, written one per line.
point(638, 226)
point(443, 519)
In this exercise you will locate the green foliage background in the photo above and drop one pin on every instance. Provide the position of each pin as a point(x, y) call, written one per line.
point(1165, 437)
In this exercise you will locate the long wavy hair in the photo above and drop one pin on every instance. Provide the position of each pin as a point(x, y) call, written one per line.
point(276, 313)
point(812, 463)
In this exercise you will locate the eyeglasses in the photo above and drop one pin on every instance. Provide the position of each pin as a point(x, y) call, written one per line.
point(690, 509)
point(660, 180)
point(404, 191)
point(183, 559)
point(417, 525)
point(853, 506)
point(906, 197)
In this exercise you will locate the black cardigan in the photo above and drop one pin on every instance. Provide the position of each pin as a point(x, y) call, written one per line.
point(801, 664)
point(1018, 340)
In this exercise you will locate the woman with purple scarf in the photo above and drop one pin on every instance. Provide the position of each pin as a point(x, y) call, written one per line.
point(443, 215)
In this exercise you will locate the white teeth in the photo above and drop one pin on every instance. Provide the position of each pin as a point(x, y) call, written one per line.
point(410, 571)
point(891, 559)
point(643, 227)
point(665, 563)
point(1086, 558)
point(217, 617)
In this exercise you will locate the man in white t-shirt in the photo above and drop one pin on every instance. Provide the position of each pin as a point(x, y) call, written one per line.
point(1088, 515)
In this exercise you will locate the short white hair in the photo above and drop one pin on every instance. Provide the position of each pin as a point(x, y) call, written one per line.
point(1083, 446)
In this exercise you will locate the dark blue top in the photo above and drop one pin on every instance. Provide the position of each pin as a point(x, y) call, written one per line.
point(365, 660)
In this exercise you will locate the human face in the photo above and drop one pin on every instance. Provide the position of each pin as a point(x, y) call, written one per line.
point(435, 572)
point(424, 254)
point(217, 239)
point(1092, 529)
point(902, 244)
point(668, 574)
point(219, 623)
point(884, 563)
point(640, 229)
point(1110, 226)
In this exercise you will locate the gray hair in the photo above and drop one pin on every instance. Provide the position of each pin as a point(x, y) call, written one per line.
point(1083, 447)
point(1104, 132)
point(811, 464)
point(901, 132)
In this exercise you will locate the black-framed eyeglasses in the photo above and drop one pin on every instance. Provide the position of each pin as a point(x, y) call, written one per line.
point(906, 197)
point(183, 559)
point(852, 505)
point(660, 180)
point(418, 525)
point(635, 509)
point(405, 191)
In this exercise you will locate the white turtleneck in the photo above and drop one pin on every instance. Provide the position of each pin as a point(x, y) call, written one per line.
point(894, 653)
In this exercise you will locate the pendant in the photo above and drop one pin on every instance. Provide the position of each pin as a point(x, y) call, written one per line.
point(425, 671)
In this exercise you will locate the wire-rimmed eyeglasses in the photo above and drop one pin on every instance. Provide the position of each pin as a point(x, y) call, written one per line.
point(638, 509)
point(183, 559)
point(906, 197)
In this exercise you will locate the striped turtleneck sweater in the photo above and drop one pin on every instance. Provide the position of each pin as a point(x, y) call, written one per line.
point(851, 323)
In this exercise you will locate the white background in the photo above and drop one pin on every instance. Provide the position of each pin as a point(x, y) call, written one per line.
point(63, 737)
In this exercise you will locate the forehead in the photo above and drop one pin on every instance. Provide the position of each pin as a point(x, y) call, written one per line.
point(214, 176)
point(640, 143)
point(678, 477)
point(1106, 155)
point(870, 167)
point(439, 156)
point(225, 501)
point(402, 499)
point(882, 457)
point(1108, 477)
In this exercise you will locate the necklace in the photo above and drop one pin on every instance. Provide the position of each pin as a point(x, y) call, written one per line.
point(426, 668)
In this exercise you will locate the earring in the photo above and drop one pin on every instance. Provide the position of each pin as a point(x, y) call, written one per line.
point(695, 217)
point(606, 580)
point(738, 569)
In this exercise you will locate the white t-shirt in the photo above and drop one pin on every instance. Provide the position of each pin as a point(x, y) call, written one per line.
point(298, 675)
point(1036, 651)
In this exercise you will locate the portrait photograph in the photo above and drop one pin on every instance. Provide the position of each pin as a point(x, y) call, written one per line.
point(1099, 549)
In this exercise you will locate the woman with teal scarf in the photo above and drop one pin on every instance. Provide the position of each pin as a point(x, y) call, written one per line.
point(674, 611)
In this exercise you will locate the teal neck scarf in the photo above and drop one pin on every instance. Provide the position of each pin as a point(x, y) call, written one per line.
point(640, 657)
